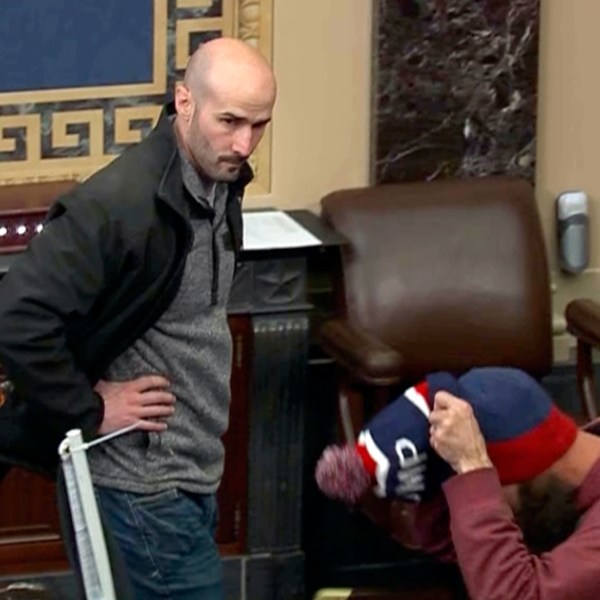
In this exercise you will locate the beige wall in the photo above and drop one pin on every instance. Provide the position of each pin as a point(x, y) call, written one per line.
point(321, 124)
point(568, 144)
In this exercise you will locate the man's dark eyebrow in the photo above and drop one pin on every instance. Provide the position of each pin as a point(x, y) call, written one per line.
point(230, 115)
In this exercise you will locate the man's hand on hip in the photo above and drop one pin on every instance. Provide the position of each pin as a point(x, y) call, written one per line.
point(145, 402)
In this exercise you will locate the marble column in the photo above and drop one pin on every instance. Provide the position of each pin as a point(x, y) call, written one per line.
point(456, 84)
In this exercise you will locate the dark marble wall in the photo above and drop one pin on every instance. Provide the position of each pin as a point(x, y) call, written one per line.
point(456, 84)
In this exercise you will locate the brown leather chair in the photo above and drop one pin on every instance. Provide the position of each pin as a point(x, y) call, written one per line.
point(439, 276)
point(443, 275)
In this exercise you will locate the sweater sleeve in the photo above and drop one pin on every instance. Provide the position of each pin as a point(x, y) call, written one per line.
point(45, 295)
point(494, 561)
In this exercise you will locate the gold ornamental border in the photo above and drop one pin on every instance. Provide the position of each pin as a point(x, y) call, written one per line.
point(253, 21)
point(249, 20)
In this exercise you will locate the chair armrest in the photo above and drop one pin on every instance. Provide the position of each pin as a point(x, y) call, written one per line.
point(363, 356)
point(583, 320)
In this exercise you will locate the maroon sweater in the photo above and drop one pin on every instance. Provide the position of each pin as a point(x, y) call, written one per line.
point(489, 549)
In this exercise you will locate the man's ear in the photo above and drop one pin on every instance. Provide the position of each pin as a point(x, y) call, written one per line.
point(184, 105)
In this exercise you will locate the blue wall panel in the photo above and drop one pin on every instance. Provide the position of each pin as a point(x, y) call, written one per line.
point(50, 44)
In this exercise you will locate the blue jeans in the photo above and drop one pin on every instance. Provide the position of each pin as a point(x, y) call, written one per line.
point(167, 542)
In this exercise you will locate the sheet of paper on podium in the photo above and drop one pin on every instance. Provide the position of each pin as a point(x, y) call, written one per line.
point(272, 229)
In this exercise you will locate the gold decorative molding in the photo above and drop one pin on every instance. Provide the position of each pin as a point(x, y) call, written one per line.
point(70, 133)
point(249, 21)
point(254, 25)
point(94, 119)
point(31, 126)
point(194, 3)
point(186, 27)
point(124, 134)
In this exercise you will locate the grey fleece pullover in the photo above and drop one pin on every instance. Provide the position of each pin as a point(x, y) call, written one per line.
point(191, 345)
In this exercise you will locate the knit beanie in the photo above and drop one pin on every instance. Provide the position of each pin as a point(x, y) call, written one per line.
point(525, 434)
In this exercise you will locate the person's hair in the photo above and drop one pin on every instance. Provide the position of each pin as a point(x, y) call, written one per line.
point(547, 513)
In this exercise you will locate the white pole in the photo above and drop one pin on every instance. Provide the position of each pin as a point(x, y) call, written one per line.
point(82, 501)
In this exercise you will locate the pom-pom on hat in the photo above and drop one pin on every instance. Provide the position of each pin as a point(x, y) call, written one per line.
point(341, 474)
point(525, 434)
point(395, 457)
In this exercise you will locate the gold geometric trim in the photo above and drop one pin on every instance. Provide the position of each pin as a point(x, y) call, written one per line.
point(185, 27)
point(124, 134)
point(157, 86)
point(182, 36)
point(94, 118)
point(194, 3)
point(33, 130)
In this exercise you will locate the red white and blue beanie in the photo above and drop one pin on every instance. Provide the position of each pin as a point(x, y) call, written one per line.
point(525, 432)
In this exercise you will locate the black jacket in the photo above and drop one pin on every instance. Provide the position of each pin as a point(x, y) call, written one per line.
point(106, 266)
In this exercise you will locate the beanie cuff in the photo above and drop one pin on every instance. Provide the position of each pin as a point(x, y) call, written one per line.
point(519, 459)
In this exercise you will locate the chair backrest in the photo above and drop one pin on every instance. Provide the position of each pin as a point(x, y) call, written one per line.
point(452, 273)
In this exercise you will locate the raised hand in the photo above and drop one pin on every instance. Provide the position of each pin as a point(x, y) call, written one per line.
point(144, 402)
point(455, 434)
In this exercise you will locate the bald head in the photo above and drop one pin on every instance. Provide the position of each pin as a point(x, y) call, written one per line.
point(223, 106)
point(226, 62)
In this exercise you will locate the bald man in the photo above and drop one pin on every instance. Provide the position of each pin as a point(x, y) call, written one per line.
point(116, 317)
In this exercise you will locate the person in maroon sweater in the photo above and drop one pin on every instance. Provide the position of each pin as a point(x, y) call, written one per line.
point(538, 539)
point(518, 504)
